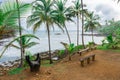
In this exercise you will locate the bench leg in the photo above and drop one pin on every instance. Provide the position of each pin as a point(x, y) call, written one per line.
point(82, 63)
point(88, 60)
point(93, 58)
point(80, 53)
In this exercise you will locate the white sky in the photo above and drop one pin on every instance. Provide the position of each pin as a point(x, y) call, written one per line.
point(106, 9)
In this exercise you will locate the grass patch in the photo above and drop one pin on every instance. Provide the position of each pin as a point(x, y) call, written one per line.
point(104, 47)
point(117, 50)
point(15, 71)
point(46, 63)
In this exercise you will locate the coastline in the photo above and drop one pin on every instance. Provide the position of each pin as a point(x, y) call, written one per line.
point(13, 54)
point(6, 66)
point(43, 55)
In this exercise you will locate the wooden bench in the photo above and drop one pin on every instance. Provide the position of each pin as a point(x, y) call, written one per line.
point(84, 50)
point(87, 58)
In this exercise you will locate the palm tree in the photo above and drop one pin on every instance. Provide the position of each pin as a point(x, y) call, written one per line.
point(64, 14)
point(77, 12)
point(82, 24)
point(20, 34)
point(26, 43)
point(42, 12)
point(91, 22)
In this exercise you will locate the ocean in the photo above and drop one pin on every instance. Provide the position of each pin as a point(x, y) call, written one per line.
point(57, 36)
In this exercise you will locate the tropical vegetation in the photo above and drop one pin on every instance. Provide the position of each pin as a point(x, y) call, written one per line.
point(8, 16)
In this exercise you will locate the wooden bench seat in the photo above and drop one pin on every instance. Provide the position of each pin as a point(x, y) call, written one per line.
point(84, 50)
point(87, 58)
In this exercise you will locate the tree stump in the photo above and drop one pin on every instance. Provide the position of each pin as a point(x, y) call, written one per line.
point(34, 64)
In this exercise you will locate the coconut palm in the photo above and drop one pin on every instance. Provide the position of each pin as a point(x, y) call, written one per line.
point(77, 12)
point(91, 22)
point(26, 43)
point(42, 12)
point(64, 14)
point(82, 24)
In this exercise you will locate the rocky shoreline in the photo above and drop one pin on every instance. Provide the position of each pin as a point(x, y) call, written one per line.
point(6, 66)
point(94, 34)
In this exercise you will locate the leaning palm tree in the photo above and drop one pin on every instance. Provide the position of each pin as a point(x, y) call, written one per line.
point(64, 14)
point(42, 13)
point(91, 22)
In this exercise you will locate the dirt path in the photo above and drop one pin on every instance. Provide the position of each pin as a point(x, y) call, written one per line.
point(105, 67)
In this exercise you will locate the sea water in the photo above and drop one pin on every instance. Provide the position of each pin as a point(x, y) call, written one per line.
point(56, 36)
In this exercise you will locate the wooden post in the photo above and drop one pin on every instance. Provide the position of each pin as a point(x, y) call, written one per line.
point(82, 63)
point(88, 60)
point(93, 58)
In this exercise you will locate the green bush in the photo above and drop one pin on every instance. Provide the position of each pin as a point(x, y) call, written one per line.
point(15, 71)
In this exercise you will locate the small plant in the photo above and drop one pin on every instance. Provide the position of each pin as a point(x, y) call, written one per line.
point(69, 49)
point(77, 48)
point(91, 44)
point(61, 53)
point(15, 71)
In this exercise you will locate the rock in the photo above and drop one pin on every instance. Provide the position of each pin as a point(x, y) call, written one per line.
point(55, 58)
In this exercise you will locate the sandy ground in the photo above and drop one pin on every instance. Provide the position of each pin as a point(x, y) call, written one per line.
point(105, 67)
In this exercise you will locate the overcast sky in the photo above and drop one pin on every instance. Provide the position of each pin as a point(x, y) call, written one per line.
point(106, 9)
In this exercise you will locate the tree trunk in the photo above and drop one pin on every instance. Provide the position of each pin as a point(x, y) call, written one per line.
point(82, 25)
point(20, 34)
point(77, 30)
point(50, 58)
point(68, 35)
point(92, 36)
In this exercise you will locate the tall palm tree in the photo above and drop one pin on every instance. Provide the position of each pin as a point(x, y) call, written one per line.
point(20, 34)
point(77, 12)
point(64, 14)
point(91, 22)
point(42, 13)
point(82, 24)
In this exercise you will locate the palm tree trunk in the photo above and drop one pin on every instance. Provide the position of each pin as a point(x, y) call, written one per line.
point(68, 34)
point(82, 25)
point(77, 30)
point(20, 34)
point(50, 58)
point(92, 36)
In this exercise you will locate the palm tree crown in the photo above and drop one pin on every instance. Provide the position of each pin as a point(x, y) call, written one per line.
point(64, 14)
point(43, 13)
point(91, 22)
